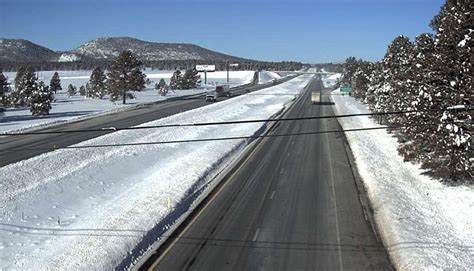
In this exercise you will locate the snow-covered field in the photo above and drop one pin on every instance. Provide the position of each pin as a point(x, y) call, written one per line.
point(82, 209)
point(68, 109)
point(425, 225)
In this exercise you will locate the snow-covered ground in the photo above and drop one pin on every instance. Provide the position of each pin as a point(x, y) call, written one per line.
point(331, 80)
point(267, 76)
point(82, 209)
point(425, 225)
point(68, 109)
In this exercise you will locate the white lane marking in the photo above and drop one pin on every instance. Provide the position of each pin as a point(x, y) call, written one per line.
point(282, 169)
point(341, 267)
point(273, 194)
point(293, 142)
point(288, 154)
point(256, 235)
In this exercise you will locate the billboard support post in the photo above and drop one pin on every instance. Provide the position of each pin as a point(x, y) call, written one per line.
point(205, 69)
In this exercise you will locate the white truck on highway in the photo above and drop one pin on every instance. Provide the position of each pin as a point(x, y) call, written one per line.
point(220, 91)
point(315, 97)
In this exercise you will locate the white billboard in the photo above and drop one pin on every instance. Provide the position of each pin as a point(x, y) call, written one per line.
point(206, 68)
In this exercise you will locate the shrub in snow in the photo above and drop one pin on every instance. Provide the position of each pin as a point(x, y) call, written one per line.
point(71, 90)
point(162, 87)
point(40, 99)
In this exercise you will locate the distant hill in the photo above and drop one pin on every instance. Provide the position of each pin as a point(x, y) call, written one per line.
point(100, 52)
point(109, 48)
point(24, 51)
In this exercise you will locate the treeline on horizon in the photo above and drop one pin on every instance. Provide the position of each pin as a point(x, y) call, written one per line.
point(90, 64)
point(433, 78)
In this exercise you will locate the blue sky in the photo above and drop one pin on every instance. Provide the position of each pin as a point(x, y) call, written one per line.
point(304, 30)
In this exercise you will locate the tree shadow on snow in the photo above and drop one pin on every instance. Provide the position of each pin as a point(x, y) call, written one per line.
point(50, 116)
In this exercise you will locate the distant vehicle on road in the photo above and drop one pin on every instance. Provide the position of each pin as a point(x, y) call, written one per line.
point(315, 97)
point(220, 91)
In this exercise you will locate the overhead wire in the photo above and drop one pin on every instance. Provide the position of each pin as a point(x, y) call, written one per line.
point(112, 128)
point(54, 147)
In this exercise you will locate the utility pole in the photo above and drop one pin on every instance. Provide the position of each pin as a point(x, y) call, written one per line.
point(124, 92)
point(227, 66)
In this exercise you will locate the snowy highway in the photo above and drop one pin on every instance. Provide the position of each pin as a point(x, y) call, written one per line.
point(292, 204)
point(17, 148)
point(100, 207)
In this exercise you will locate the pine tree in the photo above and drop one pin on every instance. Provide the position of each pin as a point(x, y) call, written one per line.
point(25, 82)
point(55, 83)
point(452, 153)
point(376, 84)
point(349, 68)
point(137, 80)
point(71, 90)
point(97, 84)
point(162, 87)
point(176, 81)
point(82, 90)
point(396, 70)
point(4, 88)
point(87, 90)
point(191, 79)
point(125, 75)
point(40, 99)
point(361, 79)
point(19, 74)
point(421, 124)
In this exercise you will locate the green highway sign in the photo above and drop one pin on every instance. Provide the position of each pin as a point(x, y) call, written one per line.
point(346, 89)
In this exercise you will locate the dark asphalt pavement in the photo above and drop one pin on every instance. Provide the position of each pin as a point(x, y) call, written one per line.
point(292, 205)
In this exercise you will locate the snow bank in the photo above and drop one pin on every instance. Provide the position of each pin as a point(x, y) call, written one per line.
point(89, 208)
point(266, 76)
point(424, 224)
point(66, 109)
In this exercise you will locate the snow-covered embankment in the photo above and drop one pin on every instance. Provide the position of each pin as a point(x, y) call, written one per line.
point(88, 208)
point(424, 224)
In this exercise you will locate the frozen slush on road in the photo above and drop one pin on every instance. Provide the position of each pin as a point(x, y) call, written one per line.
point(84, 208)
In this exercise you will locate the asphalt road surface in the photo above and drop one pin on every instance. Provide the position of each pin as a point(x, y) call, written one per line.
point(17, 148)
point(291, 205)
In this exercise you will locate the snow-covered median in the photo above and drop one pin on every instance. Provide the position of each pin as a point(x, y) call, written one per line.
point(88, 208)
point(424, 224)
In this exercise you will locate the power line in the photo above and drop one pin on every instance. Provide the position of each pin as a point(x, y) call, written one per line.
point(107, 129)
point(204, 139)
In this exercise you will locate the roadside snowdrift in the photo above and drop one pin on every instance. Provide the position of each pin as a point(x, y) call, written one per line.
point(89, 208)
point(424, 224)
point(266, 76)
